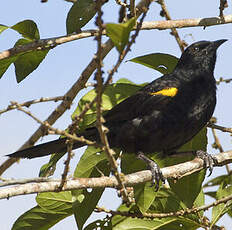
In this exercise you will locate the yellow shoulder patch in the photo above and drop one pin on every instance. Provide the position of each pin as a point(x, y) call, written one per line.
point(169, 92)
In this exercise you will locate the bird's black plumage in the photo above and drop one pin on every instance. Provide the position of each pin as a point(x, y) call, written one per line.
point(163, 115)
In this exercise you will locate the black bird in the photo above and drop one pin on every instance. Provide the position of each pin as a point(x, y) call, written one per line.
point(162, 116)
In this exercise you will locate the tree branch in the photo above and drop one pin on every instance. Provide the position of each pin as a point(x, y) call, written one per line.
point(223, 5)
point(8, 182)
point(32, 102)
point(161, 25)
point(217, 145)
point(221, 128)
point(183, 23)
point(174, 172)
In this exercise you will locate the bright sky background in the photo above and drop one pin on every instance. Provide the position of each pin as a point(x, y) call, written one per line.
point(63, 65)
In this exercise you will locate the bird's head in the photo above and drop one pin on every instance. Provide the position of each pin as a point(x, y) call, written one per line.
point(201, 55)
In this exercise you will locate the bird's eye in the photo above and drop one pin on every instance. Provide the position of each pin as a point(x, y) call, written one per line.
point(196, 49)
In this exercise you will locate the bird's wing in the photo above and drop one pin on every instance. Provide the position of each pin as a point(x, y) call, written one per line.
point(154, 96)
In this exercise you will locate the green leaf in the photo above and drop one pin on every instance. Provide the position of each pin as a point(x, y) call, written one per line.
point(200, 201)
point(52, 208)
point(211, 194)
point(130, 164)
point(119, 33)
point(3, 27)
point(219, 210)
point(181, 223)
point(28, 29)
point(142, 224)
point(37, 216)
point(79, 15)
point(121, 222)
point(57, 202)
point(27, 62)
point(5, 63)
point(91, 162)
point(84, 209)
point(227, 179)
point(144, 193)
point(188, 187)
point(166, 201)
point(229, 212)
point(86, 167)
point(123, 208)
point(113, 95)
point(99, 224)
point(49, 168)
point(164, 63)
point(144, 196)
point(80, 202)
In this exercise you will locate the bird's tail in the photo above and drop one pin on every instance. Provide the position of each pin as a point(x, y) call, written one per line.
point(56, 146)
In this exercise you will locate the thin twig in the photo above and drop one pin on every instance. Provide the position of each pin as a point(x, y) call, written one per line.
point(182, 212)
point(174, 30)
point(99, 89)
point(66, 163)
point(119, 2)
point(223, 5)
point(73, 1)
point(221, 128)
point(132, 8)
point(228, 80)
point(217, 145)
point(32, 102)
point(55, 130)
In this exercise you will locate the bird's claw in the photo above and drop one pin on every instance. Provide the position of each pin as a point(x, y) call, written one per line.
point(156, 173)
point(208, 159)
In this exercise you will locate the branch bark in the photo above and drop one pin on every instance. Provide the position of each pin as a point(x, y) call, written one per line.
point(174, 172)
point(161, 25)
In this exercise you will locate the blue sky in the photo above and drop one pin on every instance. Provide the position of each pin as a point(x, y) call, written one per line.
point(64, 64)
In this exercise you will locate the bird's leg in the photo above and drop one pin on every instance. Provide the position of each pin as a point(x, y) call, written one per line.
point(156, 173)
point(208, 159)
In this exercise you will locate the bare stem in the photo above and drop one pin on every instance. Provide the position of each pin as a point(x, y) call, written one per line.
point(32, 102)
point(174, 30)
point(182, 212)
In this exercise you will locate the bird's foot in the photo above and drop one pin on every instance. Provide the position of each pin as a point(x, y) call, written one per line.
point(208, 159)
point(156, 173)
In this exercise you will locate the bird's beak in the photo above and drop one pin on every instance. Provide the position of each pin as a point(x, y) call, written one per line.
point(217, 43)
